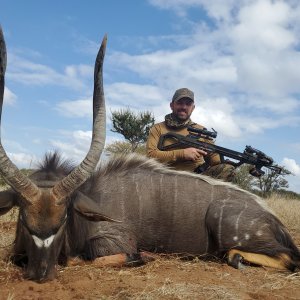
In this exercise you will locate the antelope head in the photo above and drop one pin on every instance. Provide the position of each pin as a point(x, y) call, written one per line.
point(43, 207)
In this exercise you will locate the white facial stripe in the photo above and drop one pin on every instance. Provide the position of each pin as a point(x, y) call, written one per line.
point(43, 243)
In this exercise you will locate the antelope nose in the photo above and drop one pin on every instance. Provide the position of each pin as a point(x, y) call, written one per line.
point(43, 270)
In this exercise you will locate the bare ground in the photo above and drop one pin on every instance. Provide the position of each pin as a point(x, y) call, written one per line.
point(164, 278)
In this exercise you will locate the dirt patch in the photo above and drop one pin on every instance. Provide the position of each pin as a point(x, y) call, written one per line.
point(164, 278)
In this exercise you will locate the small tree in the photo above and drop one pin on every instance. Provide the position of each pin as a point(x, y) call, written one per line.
point(272, 181)
point(243, 178)
point(134, 127)
point(123, 147)
point(264, 185)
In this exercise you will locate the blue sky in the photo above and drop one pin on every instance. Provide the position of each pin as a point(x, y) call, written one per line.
point(241, 58)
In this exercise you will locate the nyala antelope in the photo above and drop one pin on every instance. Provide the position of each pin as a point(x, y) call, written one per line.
point(111, 213)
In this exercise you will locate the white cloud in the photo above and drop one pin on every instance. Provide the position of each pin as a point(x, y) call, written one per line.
point(78, 108)
point(264, 48)
point(118, 96)
point(294, 167)
point(217, 9)
point(75, 71)
point(178, 5)
point(133, 95)
point(15, 146)
point(69, 150)
point(266, 23)
point(222, 11)
point(274, 104)
point(251, 123)
point(82, 136)
point(166, 68)
point(9, 97)
point(218, 114)
point(294, 184)
point(74, 145)
point(22, 160)
point(291, 165)
point(30, 73)
point(167, 4)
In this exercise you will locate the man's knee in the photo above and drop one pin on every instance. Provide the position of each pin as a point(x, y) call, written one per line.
point(222, 171)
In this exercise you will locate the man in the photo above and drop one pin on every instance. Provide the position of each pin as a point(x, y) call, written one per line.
point(186, 159)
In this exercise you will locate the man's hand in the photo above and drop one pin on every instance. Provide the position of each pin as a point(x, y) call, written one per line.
point(193, 153)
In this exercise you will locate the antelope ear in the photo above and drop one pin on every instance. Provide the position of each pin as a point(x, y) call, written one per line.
point(88, 209)
point(7, 201)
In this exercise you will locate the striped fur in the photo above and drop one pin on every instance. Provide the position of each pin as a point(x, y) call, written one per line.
point(162, 207)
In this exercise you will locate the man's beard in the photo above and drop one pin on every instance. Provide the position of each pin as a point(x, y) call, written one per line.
point(181, 118)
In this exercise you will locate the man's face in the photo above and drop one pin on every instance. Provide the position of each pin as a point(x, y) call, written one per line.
point(182, 108)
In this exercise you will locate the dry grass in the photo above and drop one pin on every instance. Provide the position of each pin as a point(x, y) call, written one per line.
point(183, 291)
point(164, 278)
point(7, 235)
point(287, 210)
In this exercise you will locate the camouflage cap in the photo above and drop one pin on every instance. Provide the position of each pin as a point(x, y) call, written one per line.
point(183, 93)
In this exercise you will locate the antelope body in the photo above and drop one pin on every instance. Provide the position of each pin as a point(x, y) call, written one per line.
point(129, 204)
point(179, 212)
